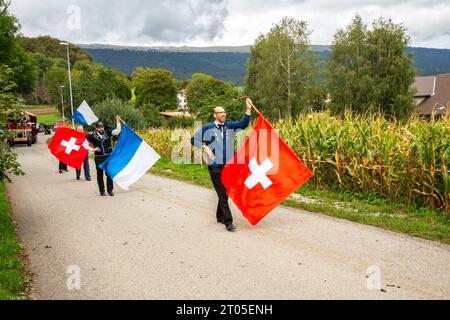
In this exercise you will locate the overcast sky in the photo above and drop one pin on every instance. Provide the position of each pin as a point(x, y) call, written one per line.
point(220, 22)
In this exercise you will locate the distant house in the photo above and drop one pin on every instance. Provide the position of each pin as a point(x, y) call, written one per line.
point(182, 101)
point(432, 94)
point(183, 110)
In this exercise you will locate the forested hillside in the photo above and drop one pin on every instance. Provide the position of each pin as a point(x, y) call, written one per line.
point(222, 65)
point(229, 66)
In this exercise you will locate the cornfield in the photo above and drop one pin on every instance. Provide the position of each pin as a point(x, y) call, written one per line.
point(407, 162)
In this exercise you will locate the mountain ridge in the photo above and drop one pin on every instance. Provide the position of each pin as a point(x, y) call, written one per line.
point(230, 49)
point(226, 62)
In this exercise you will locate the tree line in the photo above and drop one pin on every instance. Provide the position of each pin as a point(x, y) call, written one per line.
point(368, 71)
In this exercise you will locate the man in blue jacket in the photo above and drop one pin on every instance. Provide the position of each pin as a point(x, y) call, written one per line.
point(217, 139)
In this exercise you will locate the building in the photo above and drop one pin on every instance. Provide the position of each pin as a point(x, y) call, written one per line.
point(182, 101)
point(183, 110)
point(432, 94)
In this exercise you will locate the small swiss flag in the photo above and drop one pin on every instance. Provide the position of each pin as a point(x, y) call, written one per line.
point(67, 146)
point(263, 173)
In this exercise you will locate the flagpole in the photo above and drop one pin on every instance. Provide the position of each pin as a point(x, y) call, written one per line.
point(251, 103)
point(256, 109)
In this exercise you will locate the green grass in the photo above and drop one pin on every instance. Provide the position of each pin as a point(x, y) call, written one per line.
point(195, 174)
point(423, 222)
point(49, 118)
point(12, 279)
point(38, 106)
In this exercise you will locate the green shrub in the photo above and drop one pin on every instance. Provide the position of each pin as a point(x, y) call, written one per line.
point(107, 110)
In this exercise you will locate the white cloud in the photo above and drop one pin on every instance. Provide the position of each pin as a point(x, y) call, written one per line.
point(224, 22)
point(125, 22)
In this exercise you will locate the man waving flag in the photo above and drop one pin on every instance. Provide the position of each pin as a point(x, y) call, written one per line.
point(130, 160)
point(263, 173)
point(84, 115)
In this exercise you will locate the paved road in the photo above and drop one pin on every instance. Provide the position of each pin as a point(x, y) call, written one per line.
point(160, 241)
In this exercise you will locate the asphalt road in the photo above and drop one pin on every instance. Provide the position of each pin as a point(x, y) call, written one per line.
point(160, 240)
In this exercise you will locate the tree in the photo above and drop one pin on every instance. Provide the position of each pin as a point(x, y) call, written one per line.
point(391, 67)
point(40, 93)
point(107, 110)
point(12, 54)
point(8, 159)
point(155, 87)
point(55, 78)
point(204, 93)
point(9, 27)
point(369, 71)
point(282, 71)
point(51, 48)
point(151, 115)
point(91, 82)
point(95, 83)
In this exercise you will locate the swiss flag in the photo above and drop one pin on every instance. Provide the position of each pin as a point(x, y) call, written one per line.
point(263, 173)
point(67, 146)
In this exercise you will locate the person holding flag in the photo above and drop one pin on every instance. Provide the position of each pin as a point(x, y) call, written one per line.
point(86, 167)
point(217, 139)
point(62, 167)
point(70, 146)
point(101, 140)
point(131, 159)
point(263, 173)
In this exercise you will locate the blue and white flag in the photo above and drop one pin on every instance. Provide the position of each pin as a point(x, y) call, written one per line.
point(130, 160)
point(84, 115)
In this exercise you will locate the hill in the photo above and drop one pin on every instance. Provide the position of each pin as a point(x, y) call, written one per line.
point(51, 48)
point(227, 66)
point(226, 63)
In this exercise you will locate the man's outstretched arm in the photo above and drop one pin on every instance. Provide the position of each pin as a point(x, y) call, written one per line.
point(245, 121)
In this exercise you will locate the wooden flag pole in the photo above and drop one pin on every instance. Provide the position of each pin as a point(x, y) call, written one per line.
point(120, 119)
point(256, 109)
point(251, 102)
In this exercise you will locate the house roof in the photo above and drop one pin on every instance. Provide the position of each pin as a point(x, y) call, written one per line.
point(439, 99)
point(425, 86)
point(175, 114)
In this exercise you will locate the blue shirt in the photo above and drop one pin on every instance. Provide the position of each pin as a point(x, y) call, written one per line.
point(220, 140)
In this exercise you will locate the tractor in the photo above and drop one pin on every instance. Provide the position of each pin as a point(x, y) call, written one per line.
point(23, 126)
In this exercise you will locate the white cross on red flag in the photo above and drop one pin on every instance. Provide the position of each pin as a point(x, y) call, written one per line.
point(67, 146)
point(263, 173)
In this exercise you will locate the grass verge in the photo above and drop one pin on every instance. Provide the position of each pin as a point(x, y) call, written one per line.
point(12, 279)
point(423, 222)
point(49, 118)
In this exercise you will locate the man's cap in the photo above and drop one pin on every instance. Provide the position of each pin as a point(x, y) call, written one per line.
point(99, 125)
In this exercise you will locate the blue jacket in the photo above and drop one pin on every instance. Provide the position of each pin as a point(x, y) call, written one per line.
point(222, 145)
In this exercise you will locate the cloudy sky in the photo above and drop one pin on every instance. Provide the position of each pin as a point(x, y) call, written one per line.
point(220, 22)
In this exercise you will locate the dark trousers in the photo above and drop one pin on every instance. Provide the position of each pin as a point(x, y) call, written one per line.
point(86, 168)
point(100, 181)
point(62, 166)
point(223, 209)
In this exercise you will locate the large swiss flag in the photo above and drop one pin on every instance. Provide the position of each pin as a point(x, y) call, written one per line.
point(67, 146)
point(263, 173)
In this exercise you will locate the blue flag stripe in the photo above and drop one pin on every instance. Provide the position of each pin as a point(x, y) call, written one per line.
point(124, 151)
point(78, 117)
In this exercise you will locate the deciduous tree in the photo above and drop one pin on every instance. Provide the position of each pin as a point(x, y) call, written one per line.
point(282, 71)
